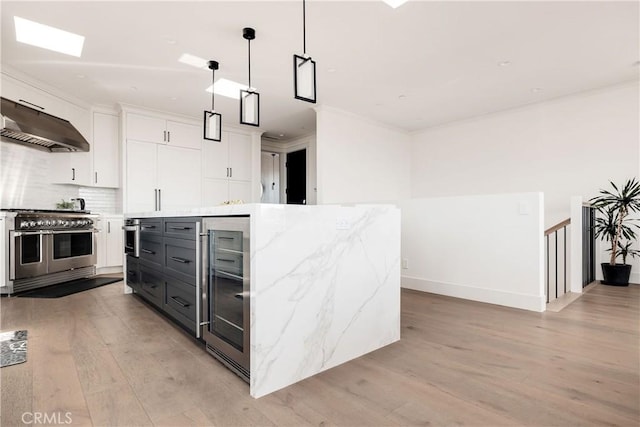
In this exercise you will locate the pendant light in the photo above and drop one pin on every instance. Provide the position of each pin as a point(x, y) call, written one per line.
point(304, 68)
point(249, 98)
point(212, 120)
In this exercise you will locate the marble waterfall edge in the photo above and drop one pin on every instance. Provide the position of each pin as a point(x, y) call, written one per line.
point(325, 289)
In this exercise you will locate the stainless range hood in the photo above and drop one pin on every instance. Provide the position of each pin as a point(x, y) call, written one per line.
point(27, 126)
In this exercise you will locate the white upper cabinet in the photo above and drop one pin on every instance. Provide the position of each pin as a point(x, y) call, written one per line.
point(158, 130)
point(75, 167)
point(146, 128)
point(226, 169)
point(240, 157)
point(106, 152)
point(184, 135)
point(229, 158)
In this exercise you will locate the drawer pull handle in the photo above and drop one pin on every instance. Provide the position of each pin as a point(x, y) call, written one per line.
point(225, 238)
point(181, 302)
point(180, 228)
point(182, 260)
point(144, 227)
point(147, 251)
point(133, 273)
point(153, 286)
point(239, 296)
point(225, 259)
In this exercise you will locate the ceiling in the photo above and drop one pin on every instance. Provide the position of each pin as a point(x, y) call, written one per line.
point(420, 65)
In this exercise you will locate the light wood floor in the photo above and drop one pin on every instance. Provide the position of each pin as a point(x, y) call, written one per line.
point(107, 359)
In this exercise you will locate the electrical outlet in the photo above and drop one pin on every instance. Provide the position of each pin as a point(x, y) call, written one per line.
point(405, 264)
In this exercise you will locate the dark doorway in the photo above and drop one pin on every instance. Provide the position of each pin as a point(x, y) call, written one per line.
point(297, 177)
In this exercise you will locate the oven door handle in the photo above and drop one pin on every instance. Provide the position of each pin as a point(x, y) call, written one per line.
point(91, 230)
point(29, 233)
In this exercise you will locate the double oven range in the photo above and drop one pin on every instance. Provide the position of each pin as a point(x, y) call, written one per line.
point(46, 247)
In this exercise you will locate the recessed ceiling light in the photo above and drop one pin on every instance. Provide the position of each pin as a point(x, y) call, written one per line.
point(80, 76)
point(331, 70)
point(395, 3)
point(227, 88)
point(47, 37)
point(401, 97)
point(536, 89)
point(134, 88)
point(504, 63)
point(171, 41)
point(173, 98)
point(281, 135)
point(194, 61)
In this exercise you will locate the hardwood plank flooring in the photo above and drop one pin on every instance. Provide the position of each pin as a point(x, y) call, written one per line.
point(107, 359)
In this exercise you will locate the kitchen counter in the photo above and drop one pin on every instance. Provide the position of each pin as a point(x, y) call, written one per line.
point(325, 286)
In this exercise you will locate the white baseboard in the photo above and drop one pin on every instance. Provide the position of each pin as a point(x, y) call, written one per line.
point(491, 296)
point(635, 277)
point(109, 270)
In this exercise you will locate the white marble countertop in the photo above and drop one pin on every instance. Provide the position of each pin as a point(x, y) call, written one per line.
point(239, 209)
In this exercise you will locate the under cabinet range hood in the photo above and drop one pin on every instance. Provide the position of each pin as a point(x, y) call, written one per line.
point(27, 126)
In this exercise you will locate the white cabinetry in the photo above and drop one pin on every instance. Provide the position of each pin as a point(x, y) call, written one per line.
point(158, 130)
point(74, 167)
point(163, 166)
point(227, 169)
point(162, 177)
point(105, 151)
point(109, 245)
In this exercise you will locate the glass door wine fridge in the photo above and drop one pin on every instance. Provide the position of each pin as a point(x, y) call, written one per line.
point(225, 291)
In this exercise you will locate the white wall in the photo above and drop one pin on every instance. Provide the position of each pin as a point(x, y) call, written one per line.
point(569, 146)
point(360, 160)
point(25, 182)
point(486, 248)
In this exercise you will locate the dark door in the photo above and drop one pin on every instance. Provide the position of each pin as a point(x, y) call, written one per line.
point(297, 178)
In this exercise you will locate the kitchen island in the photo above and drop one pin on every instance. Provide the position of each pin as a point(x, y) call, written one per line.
point(324, 285)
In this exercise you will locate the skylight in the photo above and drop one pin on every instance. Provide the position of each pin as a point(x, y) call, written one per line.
point(194, 61)
point(227, 88)
point(395, 3)
point(47, 37)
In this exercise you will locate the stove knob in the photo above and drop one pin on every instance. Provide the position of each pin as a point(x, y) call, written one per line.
point(40, 223)
point(32, 223)
point(90, 221)
point(48, 222)
point(73, 223)
point(24, 224)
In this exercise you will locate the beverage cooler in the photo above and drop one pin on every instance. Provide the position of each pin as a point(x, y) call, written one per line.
point(225, 291)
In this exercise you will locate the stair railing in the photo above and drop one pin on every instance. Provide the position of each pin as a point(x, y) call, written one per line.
point(559, 265)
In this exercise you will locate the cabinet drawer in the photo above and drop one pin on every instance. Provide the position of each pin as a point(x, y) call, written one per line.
point(151, 285)
point(180, 228)
point(180, 302)
point(228, 240)
point(151, 250)
point(150, 226)
point(180, 259)
point(132, 274)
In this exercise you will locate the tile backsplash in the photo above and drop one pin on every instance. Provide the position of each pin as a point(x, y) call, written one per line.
point(25, 182)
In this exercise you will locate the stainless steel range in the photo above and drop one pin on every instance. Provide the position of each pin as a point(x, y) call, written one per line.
point(48, 247)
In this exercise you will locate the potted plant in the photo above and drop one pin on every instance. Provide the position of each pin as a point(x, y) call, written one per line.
point(614, 225)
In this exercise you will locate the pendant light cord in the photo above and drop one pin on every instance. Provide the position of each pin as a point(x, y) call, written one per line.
point(304, 28)
point(249, 63)
point(213, 79)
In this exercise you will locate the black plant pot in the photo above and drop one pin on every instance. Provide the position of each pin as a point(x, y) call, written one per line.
point(616, 275)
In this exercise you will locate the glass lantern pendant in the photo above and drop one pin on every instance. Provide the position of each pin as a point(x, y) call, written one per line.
point(249, 98)
point(212, 120)
point(304, 68)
